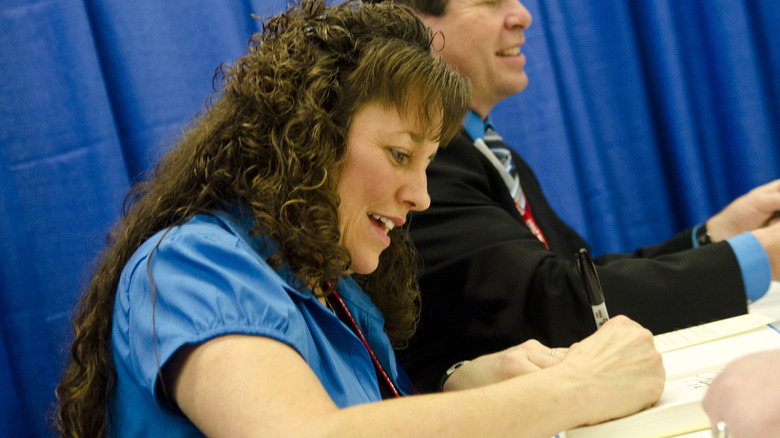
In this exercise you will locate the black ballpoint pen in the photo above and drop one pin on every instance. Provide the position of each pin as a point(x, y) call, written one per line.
point(592, 286)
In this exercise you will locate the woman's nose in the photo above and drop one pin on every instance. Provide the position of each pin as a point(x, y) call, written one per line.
point(415, 193)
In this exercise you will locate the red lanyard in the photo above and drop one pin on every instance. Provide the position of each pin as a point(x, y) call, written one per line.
point(528, 218)
point(370, 351)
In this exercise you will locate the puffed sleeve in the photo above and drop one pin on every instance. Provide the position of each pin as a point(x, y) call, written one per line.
point(200, 281)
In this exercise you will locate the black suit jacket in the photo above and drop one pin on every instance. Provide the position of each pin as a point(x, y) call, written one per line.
point(488, 283)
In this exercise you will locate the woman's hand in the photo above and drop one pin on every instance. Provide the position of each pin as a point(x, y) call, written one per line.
point(515, 361)
point(619, 367)
point(615, 372)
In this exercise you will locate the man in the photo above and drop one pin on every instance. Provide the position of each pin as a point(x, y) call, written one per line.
point(500, 267)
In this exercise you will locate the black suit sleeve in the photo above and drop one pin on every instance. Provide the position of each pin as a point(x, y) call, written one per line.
point(488, 283)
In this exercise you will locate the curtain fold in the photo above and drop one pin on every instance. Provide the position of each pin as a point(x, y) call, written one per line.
point(159, 59)
point(640, 118)
point(62, 178)
point(11, 421)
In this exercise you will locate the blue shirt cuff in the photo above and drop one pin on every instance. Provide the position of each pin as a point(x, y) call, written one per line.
point(754, 264)
point(693, 235)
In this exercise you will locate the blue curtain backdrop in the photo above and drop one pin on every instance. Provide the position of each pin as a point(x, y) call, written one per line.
point(642, 117)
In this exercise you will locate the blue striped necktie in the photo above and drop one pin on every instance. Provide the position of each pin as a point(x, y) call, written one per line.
point(496, 144)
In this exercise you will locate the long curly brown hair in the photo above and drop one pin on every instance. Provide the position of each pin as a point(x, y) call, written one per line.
point(272, 141)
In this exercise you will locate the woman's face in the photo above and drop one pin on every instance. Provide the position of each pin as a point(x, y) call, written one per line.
point(383, 179)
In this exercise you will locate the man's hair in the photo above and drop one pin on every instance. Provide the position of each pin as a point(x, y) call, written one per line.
point(273, 141)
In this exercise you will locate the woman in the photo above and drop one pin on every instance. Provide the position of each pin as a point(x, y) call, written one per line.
point(225, 303)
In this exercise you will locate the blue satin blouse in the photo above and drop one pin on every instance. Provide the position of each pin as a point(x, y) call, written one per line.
point(211, 279)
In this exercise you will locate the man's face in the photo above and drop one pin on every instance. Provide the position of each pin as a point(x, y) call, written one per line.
point(482, 40)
